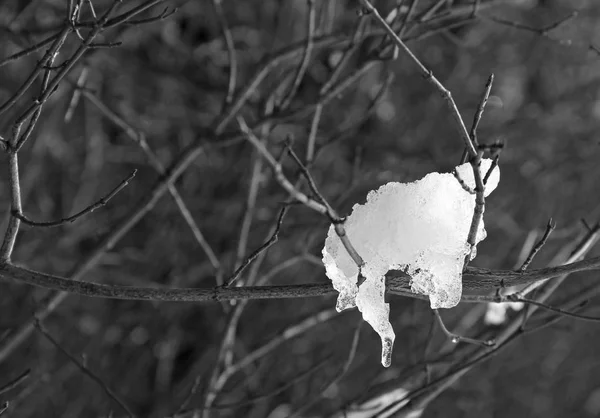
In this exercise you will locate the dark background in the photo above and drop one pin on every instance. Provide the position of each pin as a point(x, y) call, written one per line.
point(168, 80)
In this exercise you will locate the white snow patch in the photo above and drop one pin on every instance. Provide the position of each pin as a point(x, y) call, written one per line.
point(419, 227)
point(495, 313)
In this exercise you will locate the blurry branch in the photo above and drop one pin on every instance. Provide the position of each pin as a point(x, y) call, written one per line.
point(218, 6)
point(84, 369)
point(310, 33)
point(81, 80)
point(166, 13)
point(57, 42)
point(139, 138)
point(103, 201)
point(515, 298)
point(127, 16)
point(306, 405)
point(280, 389)
point(287, 334)
point(15, 382)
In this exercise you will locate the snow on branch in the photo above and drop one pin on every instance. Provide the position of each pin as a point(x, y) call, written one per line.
point(420, 228)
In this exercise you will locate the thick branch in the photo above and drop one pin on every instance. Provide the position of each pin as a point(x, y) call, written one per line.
point(474, 280)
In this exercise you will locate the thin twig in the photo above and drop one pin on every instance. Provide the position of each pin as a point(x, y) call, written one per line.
point(480, 109)
point(103, 201)
point(30, 50)
point(264, 247)
point(282, 388)
point(57, 42)
point(455, 338)
point(462, 183)
point(549, 228)
point(166, 13)
point(553, 309)
point(84, 369)
point(491, 169)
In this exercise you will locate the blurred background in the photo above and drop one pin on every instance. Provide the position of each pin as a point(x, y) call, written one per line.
point(143, 103)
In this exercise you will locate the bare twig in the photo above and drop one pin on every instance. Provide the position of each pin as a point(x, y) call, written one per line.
point(76, 94)
point(455, 338)
point(282, 388)
point(166, 13)
point(514, 298)
point(264, 247)
point(218, 380)
point(480, 109)
point(103, 201)
point(31, 49)
point(549, 228)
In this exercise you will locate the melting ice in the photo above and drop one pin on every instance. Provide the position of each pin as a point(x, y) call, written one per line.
point(419, 227)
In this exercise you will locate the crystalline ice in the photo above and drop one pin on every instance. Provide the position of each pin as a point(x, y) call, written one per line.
point(419, 227)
